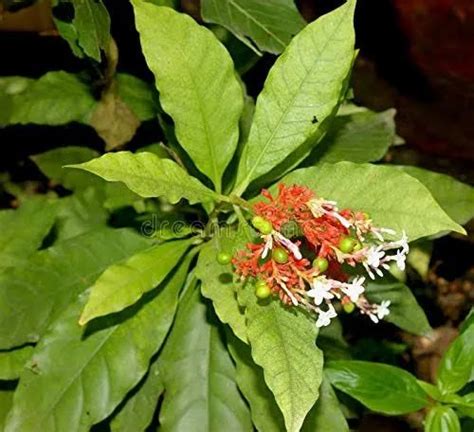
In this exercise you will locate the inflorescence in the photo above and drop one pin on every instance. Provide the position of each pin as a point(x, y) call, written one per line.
point(305, 251)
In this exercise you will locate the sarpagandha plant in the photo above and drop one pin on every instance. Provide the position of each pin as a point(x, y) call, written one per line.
point(261, 224)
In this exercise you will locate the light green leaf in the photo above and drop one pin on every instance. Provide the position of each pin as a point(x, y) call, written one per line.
point(56, 98)
point(326, 415)
point(302, 91)
point(149, 176)
point(217, 280)
point(360, 137)
point(405, 312)
point(457, 365)
point(198, 89)
point(380, 387)
point(392, 198)
point(89, 31)
point(137, 413)
point(12, 362)
point(270, 24)
point(33, 295)
point(198, 374)
point(442, 419)
point(6, 400)
point(124, 283)
point(266, 415)
point(455, 198)
point(283, 343)
point(23, 230)
point(105, 361)
point(138, 95)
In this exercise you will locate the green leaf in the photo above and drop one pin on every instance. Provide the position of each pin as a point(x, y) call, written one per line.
point(196, 80)
point(332, 342)
point(442, 419)
point(198, 374)
point(380, 387)
point(124, 283)
point(34, 294)
point(283, 343)
point(326, 415)
point(217, 282)
point(455, 198)
point(301, 92)
point(138, 95)
point(457, 365)
point(405, 312)
point(137, 413)
point(89, 31)
point(6, 400)
point(360, 137)
point(270, 24)
point(392, 198)
point(105, 361)
point(54, 99)
point(12, 362)
point(24, 229)
point(149, 176)
point(266, 416)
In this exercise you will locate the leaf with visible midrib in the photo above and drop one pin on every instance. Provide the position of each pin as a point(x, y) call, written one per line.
point(149, 176)
point(59, 392)
point(283, 343)
point(392, 198)
point(195, 77)
point(271, 24)
point(34, 294)
point(124, 283)
point(302, 90)
point(198, 374)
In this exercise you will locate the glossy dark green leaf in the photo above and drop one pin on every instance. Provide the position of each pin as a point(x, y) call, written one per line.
point(457, 365)
point(59, 392)
point(380, 387)
point(34, 294)
point(270, 24)
point(196, 80)
point(198, 374)
point(405, 312)
point(12, 362)
point(442, 419)
point(301, 92)
point(392, 198)
point(23, 230)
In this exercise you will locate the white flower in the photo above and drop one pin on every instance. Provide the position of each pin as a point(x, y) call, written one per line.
point(374, 255)
point(373, 317)
point(400, 259)
point(321, 290)
point(382, 309)
point(268, 245)
point(324, 317)
point(289, 245)
point(319, 206)
point(354, 289)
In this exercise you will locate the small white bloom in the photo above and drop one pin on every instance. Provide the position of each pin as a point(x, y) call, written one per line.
point(354, 289)
point(344, 222)
point(373, 317)
point(400, 259)
point(374, 255)
point(382, 309)
point(320, 290)
point(293, 299)
point(289, 245)
point(268, 245)
point(324, 317)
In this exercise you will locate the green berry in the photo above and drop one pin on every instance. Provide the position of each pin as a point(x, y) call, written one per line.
point(257, 221)
point(262, 291)
point(280, 255)
point(358, 246)
point(224, 258)
point(346, 245)
point(348, 307)
point(321, 264)
point(266, 227)
point(260, 283)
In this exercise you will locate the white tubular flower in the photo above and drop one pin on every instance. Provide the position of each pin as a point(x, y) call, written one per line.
point(268, 245)
point(293, 299)
point(354, 289)
point(320, 290)
point(320, 206)
point(382, 309)
point(324, 317)
point(400, 259)
point(289, 245)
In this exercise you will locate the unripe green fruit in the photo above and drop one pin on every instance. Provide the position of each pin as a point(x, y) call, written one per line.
point(262, 291)
point(348, 307)
point(260, 283)
point(257, 221)
point(346, 244)
point(266, 227)
point(321, 264)
point(280, 255)
point(224, 258)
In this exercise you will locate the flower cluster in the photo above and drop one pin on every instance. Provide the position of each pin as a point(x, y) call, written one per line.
point(306, 250)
